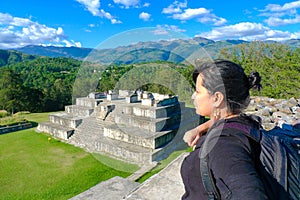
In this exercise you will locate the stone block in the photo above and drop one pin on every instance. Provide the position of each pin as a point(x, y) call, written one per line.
point(55, 130)
point(124, 151)
point(148, 102)
point(138, 136)
point(97, 95)
point(91, 103)
point(112, 96)
point(79, 110)
point(132, 98)
point(64, 119)
point(17, 127)
point(125, 93)
point(115, 133)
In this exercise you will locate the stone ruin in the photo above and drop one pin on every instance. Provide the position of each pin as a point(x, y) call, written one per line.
point(135, 126)
point(284, 113)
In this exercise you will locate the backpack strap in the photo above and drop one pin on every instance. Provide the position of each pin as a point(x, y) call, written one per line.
point(207, 181)
point(206, 174)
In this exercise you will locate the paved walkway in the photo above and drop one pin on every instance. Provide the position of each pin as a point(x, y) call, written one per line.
point(166, 185)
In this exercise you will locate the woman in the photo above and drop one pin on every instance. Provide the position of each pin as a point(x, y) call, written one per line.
point(222, 93)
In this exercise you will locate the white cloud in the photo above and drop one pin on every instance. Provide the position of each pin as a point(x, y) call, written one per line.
point(127, 3)
point(146, 4)
point(93, 6)
point(15, 21)
point(191, 13)
point(202, 15)
point(276, 21)
point(144, 16)
point(174, 28)
point(285, 7)
point(71, 43)
point(160, 31)
point(281, 15)
point(165, 29)
point(17, 32)
point(175, 7)
point(247, 31)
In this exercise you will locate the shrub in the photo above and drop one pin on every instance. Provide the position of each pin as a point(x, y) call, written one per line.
point(3, 113)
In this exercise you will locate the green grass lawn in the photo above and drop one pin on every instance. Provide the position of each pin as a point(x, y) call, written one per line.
point(31, 167)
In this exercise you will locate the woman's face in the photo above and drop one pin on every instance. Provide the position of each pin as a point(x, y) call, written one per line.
point(203, 101)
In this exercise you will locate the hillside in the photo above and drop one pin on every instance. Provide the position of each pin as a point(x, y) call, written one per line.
point(178, 50)
point(8, 57)
point(172, 50)
point(51, 51)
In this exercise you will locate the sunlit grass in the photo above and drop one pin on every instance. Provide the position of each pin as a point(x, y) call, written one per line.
point(32, 167)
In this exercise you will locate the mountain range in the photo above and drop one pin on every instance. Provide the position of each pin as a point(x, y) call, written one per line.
point(178, 50)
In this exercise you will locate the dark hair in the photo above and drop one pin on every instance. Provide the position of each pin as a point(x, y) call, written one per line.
point(230, 79)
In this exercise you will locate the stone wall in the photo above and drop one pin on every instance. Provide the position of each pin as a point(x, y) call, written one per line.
point(276, 112)
point(16, 127)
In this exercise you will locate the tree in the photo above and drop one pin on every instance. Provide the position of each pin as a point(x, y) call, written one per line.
point(277, 63)
point(11, 90)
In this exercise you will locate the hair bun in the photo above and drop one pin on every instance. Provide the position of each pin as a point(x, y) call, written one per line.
point(254, 80)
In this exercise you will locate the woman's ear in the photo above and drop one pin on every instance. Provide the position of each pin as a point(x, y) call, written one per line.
point(218, 99)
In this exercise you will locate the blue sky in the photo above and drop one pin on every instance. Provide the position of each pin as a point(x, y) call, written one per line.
point(108, 23)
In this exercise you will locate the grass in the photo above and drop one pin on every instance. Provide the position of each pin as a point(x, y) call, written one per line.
point(31, 167)
point(35, 118)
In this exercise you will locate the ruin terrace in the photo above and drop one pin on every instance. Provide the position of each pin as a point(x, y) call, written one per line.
point(134, 126)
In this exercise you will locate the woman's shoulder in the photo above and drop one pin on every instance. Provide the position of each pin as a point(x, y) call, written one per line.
point(242, 128)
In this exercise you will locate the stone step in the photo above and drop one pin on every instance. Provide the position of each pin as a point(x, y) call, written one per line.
point(78, 110)
point(56, 130)
point(153, 125)
point(123, 150)
point(65, 119)
point(138, 136)
point(89, 135)
point(139, 110)
point(115, 188)
point(88, 102)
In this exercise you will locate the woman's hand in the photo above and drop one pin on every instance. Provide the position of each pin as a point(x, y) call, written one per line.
point(192, 136)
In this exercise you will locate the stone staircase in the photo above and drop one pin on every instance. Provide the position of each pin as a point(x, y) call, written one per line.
point(63, 124)
point(89, 135)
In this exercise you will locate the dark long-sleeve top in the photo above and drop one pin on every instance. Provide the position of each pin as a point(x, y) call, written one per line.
point(232, 162)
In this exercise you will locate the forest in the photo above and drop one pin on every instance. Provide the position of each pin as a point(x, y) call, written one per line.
point(43, 84)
